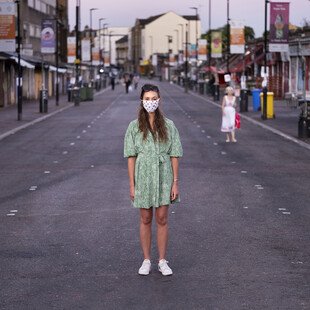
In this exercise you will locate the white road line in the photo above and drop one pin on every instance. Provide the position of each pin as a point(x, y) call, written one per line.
point(215, 143)
point(233, 162)
point(65, 152)
point(55, 161)
point(13, 211)
point(72, 143)
point(10, 214)
point(244, 172)
point(286, 213)
point(282, 209)
point(47, 172)
point(88, 126)
point(198, 126)
point(84, 131)
point(78, 137)
point(33, 188)
point(208, 137)
point(202, 131)
point(223, 153)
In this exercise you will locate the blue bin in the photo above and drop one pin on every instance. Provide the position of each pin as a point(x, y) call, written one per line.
point(256, 99)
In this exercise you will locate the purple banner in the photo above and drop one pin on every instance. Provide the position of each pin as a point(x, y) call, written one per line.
point(48, 36)
point(279, 22)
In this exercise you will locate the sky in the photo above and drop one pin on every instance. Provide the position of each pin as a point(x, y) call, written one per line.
point(123, 13)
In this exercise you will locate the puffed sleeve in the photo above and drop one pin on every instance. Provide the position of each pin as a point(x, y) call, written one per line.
point(176, 146)
point(129, 143)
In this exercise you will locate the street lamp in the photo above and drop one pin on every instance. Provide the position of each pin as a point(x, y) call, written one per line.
point(209, 39)
point(228, 37)
point(265, 89)
point(57, 53)
point(182, 36)
point(19, 79)
point(91, 43)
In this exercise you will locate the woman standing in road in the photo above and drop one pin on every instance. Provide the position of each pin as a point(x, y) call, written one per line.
point(153, 146)
point(229, 115)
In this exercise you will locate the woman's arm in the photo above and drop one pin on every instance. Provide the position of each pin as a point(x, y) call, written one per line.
point(175, 184)
point(131, 174)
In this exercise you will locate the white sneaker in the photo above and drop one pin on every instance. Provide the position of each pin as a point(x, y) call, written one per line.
point(145, 268)
point(164, 268)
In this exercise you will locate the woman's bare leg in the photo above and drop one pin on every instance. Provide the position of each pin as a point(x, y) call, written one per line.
point(146, 216)
point(161, 214)
point(227, 137)
point(233, 139)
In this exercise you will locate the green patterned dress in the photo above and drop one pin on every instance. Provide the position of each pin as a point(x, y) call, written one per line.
point(153, 169)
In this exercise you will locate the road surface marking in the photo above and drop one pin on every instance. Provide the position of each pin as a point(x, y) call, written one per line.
point(198, 126)
point(208, 137)
point(215, 143)
point(33, 188)
point(55, 161)
point(10, 214)
point(233, 162)
point(202, 131)
point(223, 153)
point(84, 131)
point(92, 166)
point(243, 171)
point(78, 137)
point(65, 152)
point(13, 211)
point(88, 126)
point(282, 209)
point(245, 207)
point(286, 213)
point(47, 172)
point(72, 143)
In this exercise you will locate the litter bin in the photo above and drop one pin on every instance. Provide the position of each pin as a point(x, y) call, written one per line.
point(76, 95)
point(256, 99)
point(43, 101)
point(270, 111)
point(90, 93)
point(244, 100)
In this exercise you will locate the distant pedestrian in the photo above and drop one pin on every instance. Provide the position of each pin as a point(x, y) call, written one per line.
point(136, 79)
point(113, 82)
point(229, 115)
point(127, 81)
point(153, 148)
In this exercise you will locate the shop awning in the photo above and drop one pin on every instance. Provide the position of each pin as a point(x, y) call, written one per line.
point(23, 63)
point(60, 70)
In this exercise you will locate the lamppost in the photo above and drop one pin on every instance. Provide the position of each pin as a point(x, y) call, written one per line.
point(110, 51)
point(91, 43)
point(169, 51)
point(77, 53)
point(265, 89)
point(182, 36)
point(209, 39)
point(19, 79)
point(57, 53)
point(228, 37)
point(186, 60)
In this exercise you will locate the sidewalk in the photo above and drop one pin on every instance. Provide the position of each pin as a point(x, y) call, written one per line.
point(31, 114)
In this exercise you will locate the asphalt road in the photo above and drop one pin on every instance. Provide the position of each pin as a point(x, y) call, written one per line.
point(238, 240)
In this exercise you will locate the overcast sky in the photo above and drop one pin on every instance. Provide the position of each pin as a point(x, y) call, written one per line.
point(123, 13)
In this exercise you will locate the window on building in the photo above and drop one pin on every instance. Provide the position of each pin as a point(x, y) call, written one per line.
point(31, 3)
point(38, 5)
point(38, 32)
point(31, 30)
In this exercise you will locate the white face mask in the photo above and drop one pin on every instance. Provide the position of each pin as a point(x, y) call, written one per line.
point(150, 105)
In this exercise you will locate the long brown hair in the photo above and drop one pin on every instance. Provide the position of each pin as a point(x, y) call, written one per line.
point(160, 130)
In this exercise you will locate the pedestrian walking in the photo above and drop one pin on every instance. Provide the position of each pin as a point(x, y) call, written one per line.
point(112, 82)
point(127, 81)
point(229, 115)
point(152, 146)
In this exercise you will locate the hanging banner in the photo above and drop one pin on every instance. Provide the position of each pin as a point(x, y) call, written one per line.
point(7, 27)
point(192, 51)
point(96, 56)
point(237, 40)
point(86, 50)
point(181, 58)
point(202, 49)
point(71, 46)
point(154, 60)
point(48, 36)
point(172, 61)
point(279, 27)
point(106, 59)
point(216, 44)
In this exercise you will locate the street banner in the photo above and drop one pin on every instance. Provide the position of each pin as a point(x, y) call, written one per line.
point(48, 36)
point(106, 59)
point(7, 27)
point(181, 58)
point(216, 44)
point(154, 60)
point(202, 49)
point(237, 40)
point(172, 61)
point(96, 56)
point(71, 47)
point(86, 50)
point(192, 51)
point(279, 27)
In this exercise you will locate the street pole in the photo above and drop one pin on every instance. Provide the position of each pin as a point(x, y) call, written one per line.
point(19, 79)
point(228, 37)
point(186, 60)
point(100, 28)
point(209, 59)
point(265, 89)
point(196, 10)
point(77, 51)
point(91, 44)
point(57, 53)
